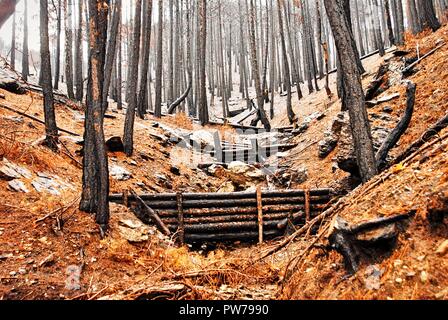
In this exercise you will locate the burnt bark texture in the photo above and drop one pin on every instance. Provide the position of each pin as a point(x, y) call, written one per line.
point(128, 138)
point(51, 129)
point(355, 100)
point(95, 193)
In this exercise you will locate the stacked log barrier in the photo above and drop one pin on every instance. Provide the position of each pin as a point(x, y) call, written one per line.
point(223, 217)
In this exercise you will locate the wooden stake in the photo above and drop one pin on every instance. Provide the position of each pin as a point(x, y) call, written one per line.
point(260, 215)
point(307, 205)
point(180, 218)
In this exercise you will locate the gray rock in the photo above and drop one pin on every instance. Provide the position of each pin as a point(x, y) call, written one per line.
point(388, 109)
point(43, 184)
point(17, 186)
point(327, 145)
point(10, 171)
point(119, 173)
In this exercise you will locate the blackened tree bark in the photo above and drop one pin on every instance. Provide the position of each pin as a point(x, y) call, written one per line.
point(51, 130)
point(128, 138)
point(414, 19)
point(111, 51)
point(159, 64)
point(428, 15)
point(57, 72)
point(355, 100)
point(142, 103)
point(201, 56)
point(95, 193)
point(255, 68)
point(69, 49)
point(78, 56)
point(25, 51)
point(390, 30)
point(291, 116)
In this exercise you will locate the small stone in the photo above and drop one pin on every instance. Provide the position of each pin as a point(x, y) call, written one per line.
point(410, 274)
point(442, 249)
point(399, 280)
point(398, 263)
point(22, 271)
point(421, 258)
point(388, 109)
point(424, 276)
point(13, 273)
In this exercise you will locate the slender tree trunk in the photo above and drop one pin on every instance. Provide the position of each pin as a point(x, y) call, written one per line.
point(291, 116)
point(51, 130)
point(390, 30)
point(142, 105)
point(203, 105)
point(57, 72)
point(78, 56)
point(359, 120)
point(255, 68)
point(111, 52)
point(159, 64)
point(95, 195)
point(69, 49)
point(25, 51)
point(128, 138)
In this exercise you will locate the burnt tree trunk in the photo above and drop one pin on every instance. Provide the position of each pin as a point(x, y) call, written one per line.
point(51, 129)
point(78, 56)
point(95, 193)
point(142, 103)
point(128, 138)
point(355, 100)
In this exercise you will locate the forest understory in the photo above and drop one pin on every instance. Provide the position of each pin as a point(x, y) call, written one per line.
point(43, 233)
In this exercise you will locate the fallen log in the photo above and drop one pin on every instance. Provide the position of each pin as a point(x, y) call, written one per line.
point(152, 214)
point(399, 130)
point(406, 71)
point(213, 212)
point(229, 218)
point(227, 195)
point(35, 119)
point(430, 133)
point(373, 88)
point(239, 236)
point(189, 204)
point(241, 226)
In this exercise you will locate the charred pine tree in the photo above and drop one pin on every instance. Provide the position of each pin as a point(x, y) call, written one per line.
point(69, 49)
point(25, 51)
point(57, 63)
point(159, 64)
point(255, 68)
point(128, 138)
point(7, 8)
point(428, 15)
point(51, 130)
point(291, 116)
point(95, 191)
point(142, 103)
point(78, 56)
point(354, 98)
point(111, 51)
point(201, 56)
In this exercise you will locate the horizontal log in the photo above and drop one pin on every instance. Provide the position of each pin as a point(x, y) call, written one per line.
point(212, 212)
point(229, 218)
point(226, 226)
point(232, 195)
point(239, 236)
point(190, 204)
